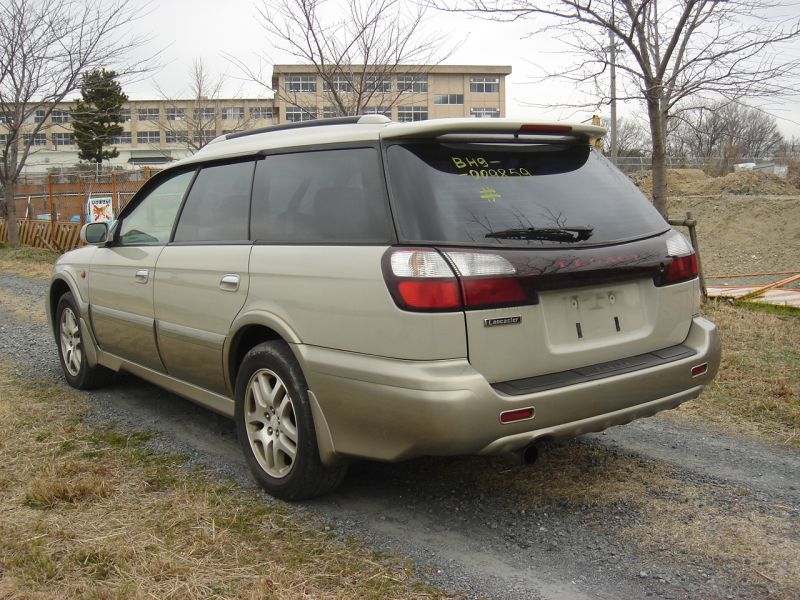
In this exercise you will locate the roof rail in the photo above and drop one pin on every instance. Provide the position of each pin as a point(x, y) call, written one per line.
point(313, 123)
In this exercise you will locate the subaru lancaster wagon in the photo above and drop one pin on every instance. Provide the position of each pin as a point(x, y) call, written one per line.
point(357, 288)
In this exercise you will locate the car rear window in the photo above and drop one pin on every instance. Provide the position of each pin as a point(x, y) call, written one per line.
point(524, 195)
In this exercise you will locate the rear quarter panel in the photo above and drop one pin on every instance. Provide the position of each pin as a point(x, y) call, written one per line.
point(336, 297)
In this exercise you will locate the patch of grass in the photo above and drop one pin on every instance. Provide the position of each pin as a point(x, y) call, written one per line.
point(757, 390)
point(113, 438)
point(27, 261)
point(91, 512)
point(770, 309)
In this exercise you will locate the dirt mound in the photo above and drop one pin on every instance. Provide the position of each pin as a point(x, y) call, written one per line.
point(744, 234)
point(694, 182)
point(679, 181)
point(748, 183)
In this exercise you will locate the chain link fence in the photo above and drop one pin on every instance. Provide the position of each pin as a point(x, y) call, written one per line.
point(711, 165)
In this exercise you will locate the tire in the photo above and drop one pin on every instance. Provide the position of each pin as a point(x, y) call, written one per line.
point(276, 427)
point(69, 339)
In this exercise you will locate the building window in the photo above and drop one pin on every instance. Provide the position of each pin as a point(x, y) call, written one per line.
point(377, 83)
point(485, 113)
point(148, 137)
point(261, 112)
point(205, 114)
point(331, 111)
point(448, 99)
point(6, 117)
point(175, 114)
point(341, 84)
point(148, 114)
point(122, 138)
point(484, 85)
point(412, 83)
point(38, 116)
point(62, 139)
point(295, 114)
point(204, 136)
point(412, 113)
point(60, 116)
point(125, 115)
point(35, 140)
point(3, 139)
point(175, 137)
point(301, 83)
point(377, 110)
point(233, 113)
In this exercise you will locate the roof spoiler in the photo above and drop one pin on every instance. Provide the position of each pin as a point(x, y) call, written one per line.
point(359, 119)
point(492, 129)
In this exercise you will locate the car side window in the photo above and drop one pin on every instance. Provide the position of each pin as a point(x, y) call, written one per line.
point(218, 205)
point(152, 220)
point(326, 196)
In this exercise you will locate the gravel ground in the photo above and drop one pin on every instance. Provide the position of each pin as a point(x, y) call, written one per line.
point(465, 538)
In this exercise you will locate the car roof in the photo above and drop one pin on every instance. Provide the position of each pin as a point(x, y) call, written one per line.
point(372, 128)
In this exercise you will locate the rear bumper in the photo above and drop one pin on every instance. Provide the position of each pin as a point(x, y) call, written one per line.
point(390, 409)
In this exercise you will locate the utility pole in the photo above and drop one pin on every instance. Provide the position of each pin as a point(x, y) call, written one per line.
point(613, 92)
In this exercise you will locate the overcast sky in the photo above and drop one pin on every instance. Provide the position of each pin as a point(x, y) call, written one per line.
point(187, 29)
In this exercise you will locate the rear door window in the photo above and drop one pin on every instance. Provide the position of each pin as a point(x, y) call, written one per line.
point(218, 205)
point(326, 196)
point(523, 195)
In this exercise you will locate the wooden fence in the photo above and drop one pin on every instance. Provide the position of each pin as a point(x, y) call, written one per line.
point(58, 236)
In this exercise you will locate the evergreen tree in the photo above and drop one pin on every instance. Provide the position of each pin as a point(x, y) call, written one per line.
point(97, 115)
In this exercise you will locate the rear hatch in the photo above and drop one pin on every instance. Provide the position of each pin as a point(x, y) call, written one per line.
point(554, 256)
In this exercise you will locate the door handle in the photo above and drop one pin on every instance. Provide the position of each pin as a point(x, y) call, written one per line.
point(229, 283)
point(141, 276)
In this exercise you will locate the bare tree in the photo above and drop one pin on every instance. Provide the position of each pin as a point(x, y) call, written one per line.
point(354, 53)
point(632, 138)
point(728, 132)
point(194, 121)
point(673, 54)
point(45, 48)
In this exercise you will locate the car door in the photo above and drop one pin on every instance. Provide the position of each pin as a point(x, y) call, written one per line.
point(122, 273)
point(202, 276)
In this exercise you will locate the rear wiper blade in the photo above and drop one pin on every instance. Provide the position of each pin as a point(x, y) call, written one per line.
point(552, 234)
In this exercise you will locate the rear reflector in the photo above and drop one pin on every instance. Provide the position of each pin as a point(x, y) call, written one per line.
point(699, 369)
point(521, 414)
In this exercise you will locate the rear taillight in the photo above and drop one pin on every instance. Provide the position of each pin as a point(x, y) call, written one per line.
point(683, 261)
point(423, 279)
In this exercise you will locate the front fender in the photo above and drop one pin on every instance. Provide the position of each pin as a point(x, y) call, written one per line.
point(73, 277)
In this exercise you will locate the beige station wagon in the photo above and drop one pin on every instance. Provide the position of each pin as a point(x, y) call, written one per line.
point(357, 288)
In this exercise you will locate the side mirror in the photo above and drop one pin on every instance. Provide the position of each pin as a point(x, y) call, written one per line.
point(94, 233)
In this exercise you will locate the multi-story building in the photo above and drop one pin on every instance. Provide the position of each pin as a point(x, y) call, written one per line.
point(161, 131)
point(406, 93)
